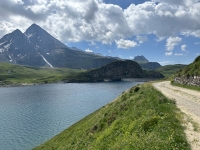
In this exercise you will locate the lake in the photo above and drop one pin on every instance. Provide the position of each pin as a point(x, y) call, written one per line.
point(31, 115)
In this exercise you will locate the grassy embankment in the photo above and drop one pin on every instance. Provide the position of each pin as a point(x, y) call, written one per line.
point(187, 86)
point(141, 118)
point(10, 73)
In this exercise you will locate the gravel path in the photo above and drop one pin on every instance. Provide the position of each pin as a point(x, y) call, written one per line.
point(189, 103)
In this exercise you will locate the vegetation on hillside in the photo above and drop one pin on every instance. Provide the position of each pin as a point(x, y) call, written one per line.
point(191, 70)
point(186, 86)
point(141, 118)
point(10, 73)
point(170, 70)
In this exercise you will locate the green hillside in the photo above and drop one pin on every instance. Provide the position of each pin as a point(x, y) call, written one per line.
point(141, 118)
point(115, 71)
point(170, 70)
point(10, 73)
point(191, 70)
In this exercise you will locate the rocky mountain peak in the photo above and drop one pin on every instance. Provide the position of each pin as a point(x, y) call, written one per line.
point(140, 59)
point(36, 47)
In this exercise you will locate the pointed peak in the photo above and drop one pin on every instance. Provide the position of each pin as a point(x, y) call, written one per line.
point(34, 27)
point(17, 31)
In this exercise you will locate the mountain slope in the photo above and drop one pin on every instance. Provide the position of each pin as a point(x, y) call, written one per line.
point(145, 64)
point(190, 75)
point(150, 65)
point(13, 75)
point(115, 71)
point(170, 70)
point(36, 47)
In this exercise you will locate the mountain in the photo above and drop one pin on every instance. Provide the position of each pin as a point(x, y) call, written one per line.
point(190, 75)
point(36, 47)
point(170, 70)
point(150, 65)
point(115, 71)
point(145, 64)
point(140, 59)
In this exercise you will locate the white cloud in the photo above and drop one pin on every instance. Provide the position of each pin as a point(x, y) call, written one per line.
point(125, 44)
point(168, 53)
point(110, 51)
point(88, 50)
point(93, 20)
point(196, 43)
point(183, 47)
point(166, 62)
point(172, 42)
point(92, 43)
point(178, 54)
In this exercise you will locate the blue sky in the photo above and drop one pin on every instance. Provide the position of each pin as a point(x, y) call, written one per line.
point(164, 31)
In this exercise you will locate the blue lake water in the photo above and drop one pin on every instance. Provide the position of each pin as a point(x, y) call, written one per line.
point(33, 114)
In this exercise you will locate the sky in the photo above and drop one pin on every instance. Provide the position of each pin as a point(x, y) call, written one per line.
point(164, 31)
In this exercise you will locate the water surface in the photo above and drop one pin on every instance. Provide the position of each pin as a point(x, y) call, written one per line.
point(31, 115)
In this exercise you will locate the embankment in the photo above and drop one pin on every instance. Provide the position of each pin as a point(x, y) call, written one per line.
point(141, 118)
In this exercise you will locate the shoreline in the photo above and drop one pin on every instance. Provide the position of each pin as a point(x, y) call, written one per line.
point(16, 84)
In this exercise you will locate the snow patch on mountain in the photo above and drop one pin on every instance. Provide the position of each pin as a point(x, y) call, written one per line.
point(2, 43)
point(1, 50)
point(46, 60)
point(7, 46)
point(29, 36)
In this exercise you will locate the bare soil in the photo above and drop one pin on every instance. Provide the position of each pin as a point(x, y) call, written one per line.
point(188, 101)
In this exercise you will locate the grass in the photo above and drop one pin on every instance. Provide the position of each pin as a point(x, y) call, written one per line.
point(170, 70)
point(141, 118)
point(192, 69)
point(186, 86)
point(10, 73)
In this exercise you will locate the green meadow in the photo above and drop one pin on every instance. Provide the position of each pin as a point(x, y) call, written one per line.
point(10, 73)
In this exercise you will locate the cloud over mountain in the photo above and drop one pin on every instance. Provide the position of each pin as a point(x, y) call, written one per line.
point(94, 20)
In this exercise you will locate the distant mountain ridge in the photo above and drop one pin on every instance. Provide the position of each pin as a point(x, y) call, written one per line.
point(145, 64)
point(36, 47)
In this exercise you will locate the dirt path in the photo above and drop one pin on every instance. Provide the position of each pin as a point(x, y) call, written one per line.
point(189, 103)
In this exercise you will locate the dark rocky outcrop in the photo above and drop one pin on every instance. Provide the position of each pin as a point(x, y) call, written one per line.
point(115, 71)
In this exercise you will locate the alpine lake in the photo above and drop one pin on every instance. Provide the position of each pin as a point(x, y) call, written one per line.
point(31, 115)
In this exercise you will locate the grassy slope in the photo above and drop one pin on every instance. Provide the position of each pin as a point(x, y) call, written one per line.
point(186, 86)
point(169, 70)
point(20, 74)
point(141, 118)
point(192, 69)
